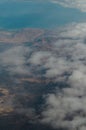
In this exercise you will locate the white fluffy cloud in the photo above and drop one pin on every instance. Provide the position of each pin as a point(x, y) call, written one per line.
point(66, 108)
point(64, 62)
point(79, 4)
point(14, 60)
point(67, 54)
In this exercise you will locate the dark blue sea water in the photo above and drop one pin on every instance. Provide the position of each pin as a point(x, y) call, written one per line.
point(20, 14)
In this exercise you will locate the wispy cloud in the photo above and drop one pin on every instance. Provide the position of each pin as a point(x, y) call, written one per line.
point(79, 4)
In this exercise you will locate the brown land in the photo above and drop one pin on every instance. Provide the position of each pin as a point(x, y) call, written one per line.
point(36, 80)
point(20, 36)
point(5, 106)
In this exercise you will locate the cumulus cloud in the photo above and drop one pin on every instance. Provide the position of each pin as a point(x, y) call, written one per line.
point(66, 111)
point(66, 108)
point(64, 62)
point(14, 60)
point(79, 4)
point(38, 57)
point(67, 54)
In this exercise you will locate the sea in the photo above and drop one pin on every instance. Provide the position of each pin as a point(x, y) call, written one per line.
point(37, 14)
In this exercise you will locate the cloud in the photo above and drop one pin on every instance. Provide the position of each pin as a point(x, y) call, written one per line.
point(66, 108)
point(66, 55)
point(64, 62)
point(14, 60)
point(38, 57)
point(79, 4)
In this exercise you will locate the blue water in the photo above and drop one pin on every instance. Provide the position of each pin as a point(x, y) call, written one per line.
point(37, 15)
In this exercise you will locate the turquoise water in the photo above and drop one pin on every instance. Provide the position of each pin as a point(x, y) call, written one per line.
point(37, 15)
